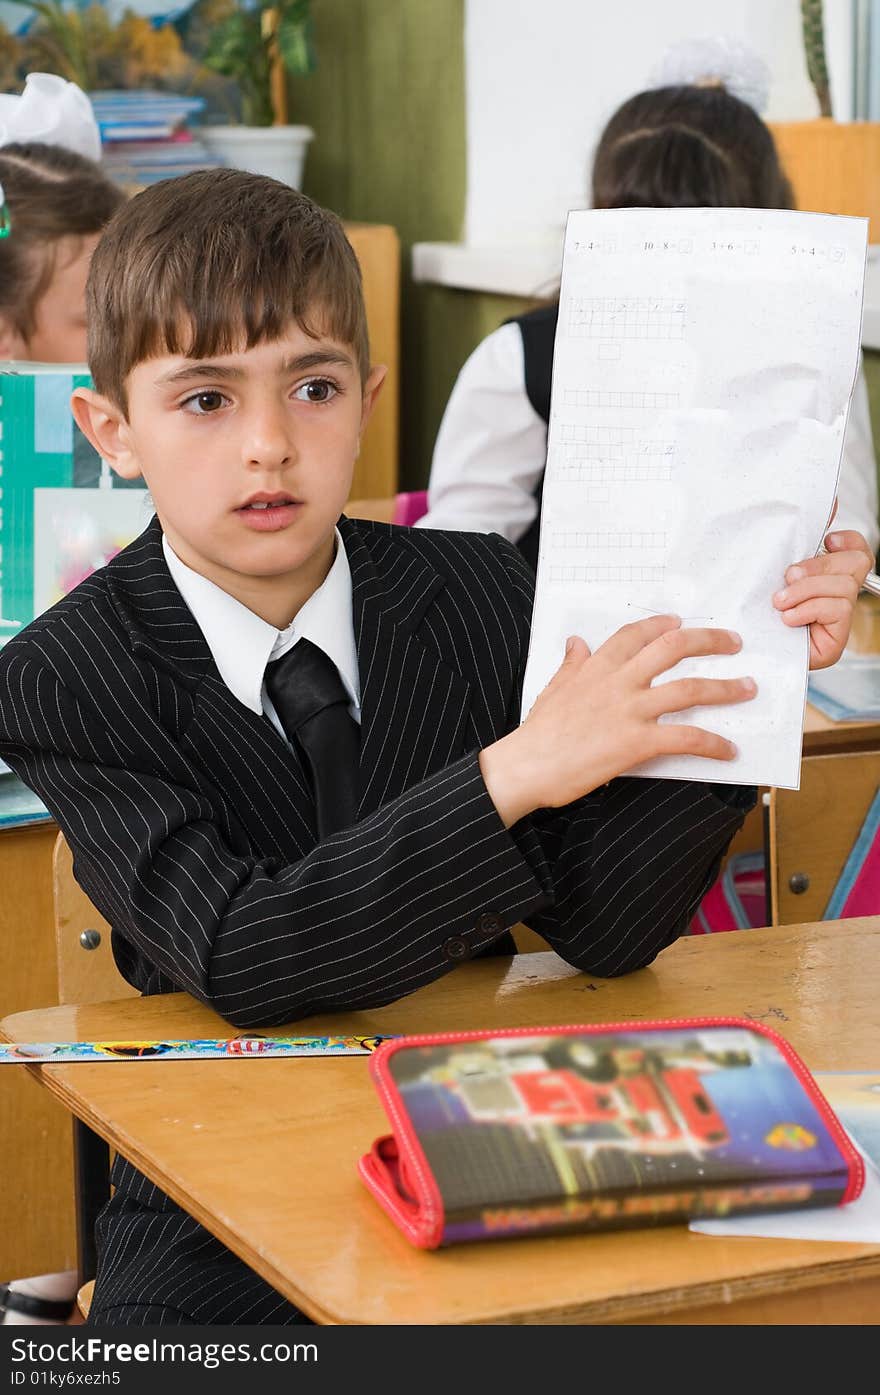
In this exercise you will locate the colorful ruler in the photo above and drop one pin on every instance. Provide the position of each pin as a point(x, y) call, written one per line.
point(60, 1052)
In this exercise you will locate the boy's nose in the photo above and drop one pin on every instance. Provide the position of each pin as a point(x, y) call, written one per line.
point(268, 440)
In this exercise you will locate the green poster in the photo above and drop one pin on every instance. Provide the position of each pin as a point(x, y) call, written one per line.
point(62, 511)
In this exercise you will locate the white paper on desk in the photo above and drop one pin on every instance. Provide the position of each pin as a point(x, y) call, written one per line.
point(704, 363)
point(858, 1221)
point(855, 1098)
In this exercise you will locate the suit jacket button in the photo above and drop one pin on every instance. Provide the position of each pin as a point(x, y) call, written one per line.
point(490, 924)
point(456, 948)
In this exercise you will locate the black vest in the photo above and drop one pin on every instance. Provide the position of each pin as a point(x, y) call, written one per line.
point(538, 330)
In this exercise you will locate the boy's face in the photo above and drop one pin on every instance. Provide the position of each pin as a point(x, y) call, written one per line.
point(248, 457)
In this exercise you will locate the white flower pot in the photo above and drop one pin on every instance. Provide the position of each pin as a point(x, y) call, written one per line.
point(278, 151)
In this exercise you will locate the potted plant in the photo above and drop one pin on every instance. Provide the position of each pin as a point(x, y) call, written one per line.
point(259, 46)
point(834, 166)
point(83, 43)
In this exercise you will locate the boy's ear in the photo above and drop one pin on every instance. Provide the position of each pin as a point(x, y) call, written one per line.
point(374, 381)
point(104, 424)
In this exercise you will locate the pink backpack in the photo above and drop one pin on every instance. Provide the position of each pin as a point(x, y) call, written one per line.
point(410, 507)
point(737, 901)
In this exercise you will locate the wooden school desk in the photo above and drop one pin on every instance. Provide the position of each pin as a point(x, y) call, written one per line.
point(822, 734)
point(264, 1152)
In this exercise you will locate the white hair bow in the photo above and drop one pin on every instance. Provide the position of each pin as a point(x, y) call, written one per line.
point(720, 60)
point(52, 110)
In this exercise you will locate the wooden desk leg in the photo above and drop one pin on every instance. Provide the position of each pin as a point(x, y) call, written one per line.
point(91, 1166)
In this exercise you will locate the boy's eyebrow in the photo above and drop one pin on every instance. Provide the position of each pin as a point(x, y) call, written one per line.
point(317, 359)
point(200, 370)
point(300, 363)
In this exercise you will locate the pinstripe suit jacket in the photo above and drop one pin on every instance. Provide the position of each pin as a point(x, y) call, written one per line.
point(193, 832)
point(192, 825)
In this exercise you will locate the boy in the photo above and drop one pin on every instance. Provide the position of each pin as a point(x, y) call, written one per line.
point(286, 753)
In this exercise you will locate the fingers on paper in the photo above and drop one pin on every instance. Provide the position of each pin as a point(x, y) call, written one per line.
point(848, 540)
point(630, 640)
point(820, 610)
point(839, 586)
point(682, 693)
point(669, 648)
point(674, 739)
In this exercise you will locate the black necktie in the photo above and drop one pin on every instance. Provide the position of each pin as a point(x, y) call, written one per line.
point(312, 704)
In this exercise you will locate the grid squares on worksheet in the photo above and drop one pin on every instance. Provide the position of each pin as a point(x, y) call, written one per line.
point(627, 317)
point(562, 573)
point(628, 471)
point(594, 541)
point(593, 397)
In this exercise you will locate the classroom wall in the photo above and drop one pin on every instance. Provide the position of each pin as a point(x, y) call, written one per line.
point(387, 106)
point(572, 62)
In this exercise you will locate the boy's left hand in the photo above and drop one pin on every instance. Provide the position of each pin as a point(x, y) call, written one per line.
point(821, 592)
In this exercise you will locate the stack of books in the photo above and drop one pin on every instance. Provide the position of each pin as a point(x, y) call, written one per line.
point(146, 136)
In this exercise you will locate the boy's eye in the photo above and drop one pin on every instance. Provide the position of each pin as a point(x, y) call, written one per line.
point(316, 390)
point(203, 403)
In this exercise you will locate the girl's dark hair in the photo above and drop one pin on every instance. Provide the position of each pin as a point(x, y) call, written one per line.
point(50, 193)
point(688, 147)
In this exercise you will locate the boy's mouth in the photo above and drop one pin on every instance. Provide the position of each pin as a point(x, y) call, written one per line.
point(268, 512)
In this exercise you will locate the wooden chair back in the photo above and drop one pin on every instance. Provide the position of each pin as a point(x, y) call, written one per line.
point(86, 971)
point(379, 510)
point(86, 974)
point(834, 166)
point(84, 1298)
point(812, 831)
point(528, 941)
point(377, 247)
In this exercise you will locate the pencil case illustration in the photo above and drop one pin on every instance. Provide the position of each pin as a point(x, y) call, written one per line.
point(591, 1127)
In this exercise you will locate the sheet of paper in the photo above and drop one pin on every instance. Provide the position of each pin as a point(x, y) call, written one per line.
point(704, 363)
point(855, 1098)
point(858, 1222)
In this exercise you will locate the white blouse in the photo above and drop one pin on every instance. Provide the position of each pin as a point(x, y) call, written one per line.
point(492, 445)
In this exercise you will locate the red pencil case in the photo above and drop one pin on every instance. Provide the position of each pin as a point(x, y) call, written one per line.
point(548, 1129)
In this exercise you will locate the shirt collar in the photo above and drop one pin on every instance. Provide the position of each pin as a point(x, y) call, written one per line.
point(241, 643)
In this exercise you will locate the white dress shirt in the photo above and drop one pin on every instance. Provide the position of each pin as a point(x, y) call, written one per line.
point(492, 446)
point(242, 644)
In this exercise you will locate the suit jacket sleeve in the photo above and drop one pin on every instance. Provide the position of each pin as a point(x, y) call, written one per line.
point(369, 915)
point(624, 868)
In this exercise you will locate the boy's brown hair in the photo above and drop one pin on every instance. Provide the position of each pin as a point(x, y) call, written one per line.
point(200, 264)
point(50, 193)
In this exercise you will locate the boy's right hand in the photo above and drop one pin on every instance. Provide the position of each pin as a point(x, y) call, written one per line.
point(598, 716)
